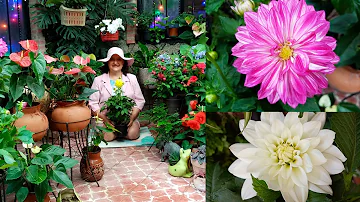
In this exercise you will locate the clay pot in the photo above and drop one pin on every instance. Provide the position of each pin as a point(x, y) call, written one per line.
point(173, 32)
point(345, 79)
point(34, 120)
point(76, 114)
point(91, 161)
point(32, 198)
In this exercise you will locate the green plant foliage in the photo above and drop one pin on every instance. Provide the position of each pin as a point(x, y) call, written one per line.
point(262, 190)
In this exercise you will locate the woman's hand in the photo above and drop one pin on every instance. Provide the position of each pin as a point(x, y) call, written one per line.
point(130, 123)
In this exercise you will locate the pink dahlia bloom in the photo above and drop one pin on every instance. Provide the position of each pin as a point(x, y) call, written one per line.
point(284, 48)
point(3, 47)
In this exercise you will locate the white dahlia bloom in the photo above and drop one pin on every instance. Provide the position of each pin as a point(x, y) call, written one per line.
point(292, 155)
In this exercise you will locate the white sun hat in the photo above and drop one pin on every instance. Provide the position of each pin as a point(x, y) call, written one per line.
point(118, 51)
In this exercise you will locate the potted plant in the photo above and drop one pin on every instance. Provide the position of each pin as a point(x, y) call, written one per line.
point(72, 12)
point(30, 179)
point(143, 59)
point(109, 29)
point(91, 164)
point(118, 109)
point(198, 161)
point(26, 70)
point(143, 22)
point(69, 86)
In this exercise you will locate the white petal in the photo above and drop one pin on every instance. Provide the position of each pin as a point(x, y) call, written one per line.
point(261, 143)
point(333, 150)
point(286, 196)
point(319, 176)
point(297, 129)
point(306, 117)
point(262, 129)
point(272, 139)
point(299, 177)
point(291, 119)
point(324, 189)
point(247, 190)
point(285, 184)
point(256, 166)
point(286, 134)
point(311, 129)
point(238, 147)
point(250, 125)
point(238, 168)
point(248, 154)
point(317, 158)
point(277, 127)
point(285, 171)
point(333, 165)
point(314, 142)
point(327, 138)
point(276, 116)
point(274, 171)
point(308, 166)
point(299, 194)
point(265, 117)
point(297, 162)
point(249, 132)
point(320, 116)
point(304, 145)
point(273, 184)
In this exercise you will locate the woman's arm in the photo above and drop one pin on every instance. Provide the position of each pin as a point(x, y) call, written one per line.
point(134, 114)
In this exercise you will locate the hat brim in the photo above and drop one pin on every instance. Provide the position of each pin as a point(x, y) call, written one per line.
point(129, 61)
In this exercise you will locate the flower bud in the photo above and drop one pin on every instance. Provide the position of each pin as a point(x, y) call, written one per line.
point(35, 149)
point(27, 146)
point(242, 6)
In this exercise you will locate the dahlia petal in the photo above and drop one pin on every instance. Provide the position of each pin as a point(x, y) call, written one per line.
point(306, 38)
point(324, 189)
point(275, 26)
point(256, 166)
point(299, 194)
point(304, 24)
point(262, 129)
point(238, 147)
point(238, 168)
point(333, 165)
point(308, 166)
point(273, 185)
point(285, 184)
point(276, 116)
point(315, 141)
point(301, 64)
point(270, 80)
point(274, 171)
point(319, 176)
point(247, 155)
point(277, 127)
point(311, 129)
point(330, 41)
point(297, 129)
point(304, 145)
point(322, 30)
point(282, 90)
point(327, 138)
point(247, 190)
point(315, 48)
point(286, 134)
point(299, 177)
point(317, 158)
point(297, 83)
point(297, 162)
point(333, 150)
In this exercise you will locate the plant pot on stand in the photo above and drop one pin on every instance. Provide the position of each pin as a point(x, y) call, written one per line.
point(34, 120)
point(91, 164)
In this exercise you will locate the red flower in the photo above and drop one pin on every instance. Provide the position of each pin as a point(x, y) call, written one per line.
point(184, 121)
point(161, 76)
point(73, 71)
point(88, 69)
point(193, 104)
point(30, 45)
point(193, 124)
point(80, 82)
point(200, 117)
point(200, 66)
point(184, 70)
point(192, 79)
point(21, 58)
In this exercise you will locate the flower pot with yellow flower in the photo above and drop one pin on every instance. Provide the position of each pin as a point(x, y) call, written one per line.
point(119, 108)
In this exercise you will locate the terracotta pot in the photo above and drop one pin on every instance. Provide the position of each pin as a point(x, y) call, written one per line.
point(76, 114)
point(91, 161)
point(34, 120)
point(32, 198)
point(345, 79)
point(173, 32)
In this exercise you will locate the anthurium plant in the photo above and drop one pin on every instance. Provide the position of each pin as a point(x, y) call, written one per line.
point(35, 169)
point(70, 79)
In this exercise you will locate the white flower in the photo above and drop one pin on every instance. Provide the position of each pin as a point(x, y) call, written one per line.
point(325, 101)
point(27, 146)
point(242, 6)
point(106, 22)
point(292, 155)
point(97, 26)
point(112, 28)
point(102, 29)
point(35, 149)
point(331, 109)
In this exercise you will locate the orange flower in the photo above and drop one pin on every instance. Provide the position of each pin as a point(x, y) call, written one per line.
point(200, 117)
point(194, 124)
point(184, 121)
point(193, 104)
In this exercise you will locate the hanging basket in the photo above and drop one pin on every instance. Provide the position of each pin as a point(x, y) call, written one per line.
point(72, 17)
point(109, 37)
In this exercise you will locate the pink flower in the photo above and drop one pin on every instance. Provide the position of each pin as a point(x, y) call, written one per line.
point(73, 71)
point(192, 79)
point(283, 47)
point(88, 69)
point(56, 71)
point(81, 61)
point(50, 59)
point(3, 47)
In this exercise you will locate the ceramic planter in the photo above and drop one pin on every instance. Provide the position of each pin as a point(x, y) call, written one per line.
point(32, 198)
point(34, 120)
point(109, 37)
point(76, 114)
point(91, 161)
point(345, 79)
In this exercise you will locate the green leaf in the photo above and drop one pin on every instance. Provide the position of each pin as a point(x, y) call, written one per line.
point(37, 89)
point(13, 173)
point(35, 174)
point(39, 67)
point(213, 6)
point(67, 162)
point(229, 25)
point(53, 150)
point(41, 190)
point(14, 185)
point(186, 35)
point(61, 178)
point(12, 69)
point(16, 86)
point(186, 145)
point(347, 45)
point(310, 106)
point(342, 23)
point(180, 136)
point(347, 107)
point(347, 128)
point(7, 156)
point(22, 193)
point(317, 197)
point(344, 6)
point(263, 191)
point(42, 158)
point(26, 136)
point(244, 104)
point(86, 94)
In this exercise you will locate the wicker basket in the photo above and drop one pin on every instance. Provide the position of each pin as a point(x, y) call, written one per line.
point(109, 37)
point(72, 17)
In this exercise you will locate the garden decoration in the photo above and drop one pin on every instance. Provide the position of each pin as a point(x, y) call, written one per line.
point(181, 168)
point(118, 109)
point(198, 162)
point(169, 149)
point(285, 58)
point(30, 180)
point(109, 29)
point(91, 164)
point(69, 86)
point(68, 195)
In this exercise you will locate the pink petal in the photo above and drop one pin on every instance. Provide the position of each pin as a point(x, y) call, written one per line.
point(316, 48)
point(57, 71)
point(330, 41)
point(77, 59)
point(305, 23)
point(88, 69)
point(270, 81)
point(73, 71)
point(49, 59)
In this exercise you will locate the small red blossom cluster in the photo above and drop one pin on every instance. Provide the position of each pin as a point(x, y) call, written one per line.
point(195, 119)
